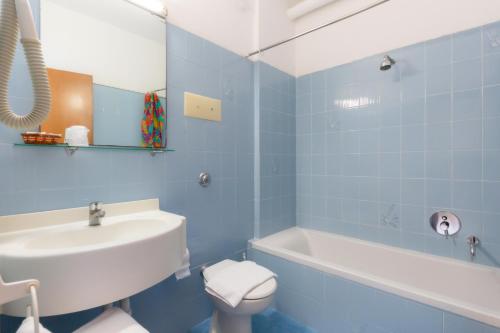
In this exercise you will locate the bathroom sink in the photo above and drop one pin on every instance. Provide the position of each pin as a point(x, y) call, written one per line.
point(80, 267)
point(81, 236)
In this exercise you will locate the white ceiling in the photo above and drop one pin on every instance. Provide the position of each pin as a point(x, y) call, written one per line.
point(292, 3)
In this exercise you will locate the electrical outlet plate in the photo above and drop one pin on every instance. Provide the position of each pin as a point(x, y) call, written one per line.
point(202, 107)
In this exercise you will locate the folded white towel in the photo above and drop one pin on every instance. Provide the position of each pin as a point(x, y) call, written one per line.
point(113, 320)
point(233, 282)
point(184, 271)
point(28, 326)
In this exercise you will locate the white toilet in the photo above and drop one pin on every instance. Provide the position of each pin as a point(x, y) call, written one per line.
point(226, 319)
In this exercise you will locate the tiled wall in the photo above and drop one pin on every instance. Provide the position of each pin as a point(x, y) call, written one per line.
point(331, 304)
point(277, 149)
point(220, 217)
point(376, 153)
point(379, 152)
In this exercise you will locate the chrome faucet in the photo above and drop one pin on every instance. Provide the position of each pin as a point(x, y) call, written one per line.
point(473, 242)
point(96, 213)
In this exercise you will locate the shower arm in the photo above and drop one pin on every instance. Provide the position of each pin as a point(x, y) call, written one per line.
point(359, 11)
point(17, 15)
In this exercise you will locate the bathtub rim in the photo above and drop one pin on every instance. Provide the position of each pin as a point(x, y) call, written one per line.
point(432, 299)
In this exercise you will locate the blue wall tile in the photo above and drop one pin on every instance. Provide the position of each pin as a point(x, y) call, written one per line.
point(468, 135)
point(368, 141)
point(491, 133)
point(390, 164)
point(467, 165)
point(439, 80)
point(438, 109)
point(433, 145)
point(50, 179)
point(328, 303)
point(412, 218)
point(413, 87)
point(412, 192)
point(467, 45)
point(467, 74)
point(438, 137)
point(492, 69)
point(412, 112)
point(439, 51)
point(491, 192)
point(492, 101)
point(412, 164)
point(278, 143)
point(491, 36)
point(413, 138)
point(492, 165)
point(457, 324)
point(438, 164)
point(467, 195)
point(468, 104)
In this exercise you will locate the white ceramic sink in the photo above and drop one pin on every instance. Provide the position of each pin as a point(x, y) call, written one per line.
point(81, 267)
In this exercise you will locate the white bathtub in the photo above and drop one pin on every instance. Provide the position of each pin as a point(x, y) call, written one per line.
point(470, 290)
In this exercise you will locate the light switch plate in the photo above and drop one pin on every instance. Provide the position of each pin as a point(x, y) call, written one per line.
point(202, 107)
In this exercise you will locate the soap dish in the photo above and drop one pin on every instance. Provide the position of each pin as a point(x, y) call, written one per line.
point(40, 138)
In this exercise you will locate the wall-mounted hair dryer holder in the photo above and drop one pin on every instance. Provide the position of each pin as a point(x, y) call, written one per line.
point(15, 16)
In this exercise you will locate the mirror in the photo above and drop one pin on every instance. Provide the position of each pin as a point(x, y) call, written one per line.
point(107, 71)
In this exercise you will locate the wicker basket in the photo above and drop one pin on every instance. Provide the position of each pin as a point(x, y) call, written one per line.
point(40, 138)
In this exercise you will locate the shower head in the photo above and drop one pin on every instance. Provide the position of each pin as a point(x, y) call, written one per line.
point(387, 63)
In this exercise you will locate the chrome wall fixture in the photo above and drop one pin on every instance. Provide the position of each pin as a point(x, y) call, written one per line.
point(473, 242)
point(204, 179)
point(448, 224)
point(387, 63)
point(445, 223)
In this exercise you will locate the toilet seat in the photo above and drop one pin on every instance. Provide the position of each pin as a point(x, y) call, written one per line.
point(262, 291)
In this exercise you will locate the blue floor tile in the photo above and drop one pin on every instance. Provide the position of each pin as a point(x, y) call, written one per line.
point(269, 321)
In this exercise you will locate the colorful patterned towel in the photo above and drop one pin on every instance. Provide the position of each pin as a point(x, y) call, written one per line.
point(153, 121)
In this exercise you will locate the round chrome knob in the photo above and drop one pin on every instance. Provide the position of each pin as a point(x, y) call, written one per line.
point(204, 179)
point(444, 225)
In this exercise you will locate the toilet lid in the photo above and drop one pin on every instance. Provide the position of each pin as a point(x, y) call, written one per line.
point(264, 290)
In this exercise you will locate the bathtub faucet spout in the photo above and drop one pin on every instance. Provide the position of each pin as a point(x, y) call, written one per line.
point(473, 242)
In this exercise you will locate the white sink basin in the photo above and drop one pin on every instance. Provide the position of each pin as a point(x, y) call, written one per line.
point(81, 267)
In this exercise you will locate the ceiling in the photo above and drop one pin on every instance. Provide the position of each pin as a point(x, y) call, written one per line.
point(292, 3)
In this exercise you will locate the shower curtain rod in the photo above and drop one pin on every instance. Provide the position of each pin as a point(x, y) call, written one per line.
point(359, 11)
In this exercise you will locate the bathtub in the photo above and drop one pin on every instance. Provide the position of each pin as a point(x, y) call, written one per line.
point(466, 289)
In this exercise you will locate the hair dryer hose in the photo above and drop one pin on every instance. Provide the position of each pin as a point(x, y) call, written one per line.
point(38, 71)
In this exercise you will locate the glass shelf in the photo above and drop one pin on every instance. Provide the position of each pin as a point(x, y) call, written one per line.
point(72, 149)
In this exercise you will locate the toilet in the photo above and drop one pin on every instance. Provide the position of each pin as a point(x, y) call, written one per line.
point(226, 319)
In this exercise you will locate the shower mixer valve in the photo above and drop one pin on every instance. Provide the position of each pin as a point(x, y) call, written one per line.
point(448, 224)
point(445, 223)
